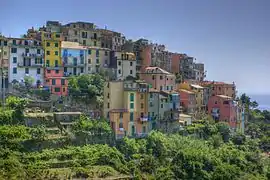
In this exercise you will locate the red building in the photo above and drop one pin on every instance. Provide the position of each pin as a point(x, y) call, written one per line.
point(223, 108)
point(56, 81)
point(176, 62)
point(187, 101)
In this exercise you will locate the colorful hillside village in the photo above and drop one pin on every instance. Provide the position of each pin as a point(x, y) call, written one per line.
point(147, 87)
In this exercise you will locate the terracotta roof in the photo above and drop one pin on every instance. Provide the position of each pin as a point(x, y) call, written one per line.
point(186, 91)
point(224, 97)
point(72, 45)
point(162, 70)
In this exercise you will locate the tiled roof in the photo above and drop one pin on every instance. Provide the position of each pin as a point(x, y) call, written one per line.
point(224, 97)
point(162, 70)
point(72, 45)
point(186, 91)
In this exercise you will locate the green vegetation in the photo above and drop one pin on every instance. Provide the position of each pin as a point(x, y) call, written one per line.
point(204, 150)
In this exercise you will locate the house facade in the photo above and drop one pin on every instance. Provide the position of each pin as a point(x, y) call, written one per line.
point(25, 59)
point(74, 58)
point(223, 108)
point(126, 65)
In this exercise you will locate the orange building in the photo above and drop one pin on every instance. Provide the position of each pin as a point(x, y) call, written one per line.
point(176, 63)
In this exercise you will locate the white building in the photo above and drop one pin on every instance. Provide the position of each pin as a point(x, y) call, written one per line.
point(26, 59)
point(126, 65)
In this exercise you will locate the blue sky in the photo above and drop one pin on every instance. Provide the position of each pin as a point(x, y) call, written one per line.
point(232, 37)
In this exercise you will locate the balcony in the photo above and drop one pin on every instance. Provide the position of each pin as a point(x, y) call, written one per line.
point(21, 64)
point(32, 55)
point(73, 65)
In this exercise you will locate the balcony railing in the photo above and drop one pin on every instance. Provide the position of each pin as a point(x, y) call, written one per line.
point(21, 64)
point(32, 55)
point(73, 64)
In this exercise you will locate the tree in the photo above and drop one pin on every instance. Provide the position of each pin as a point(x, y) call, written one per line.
point(28, 81)
point(18, 105)
point(254, 104)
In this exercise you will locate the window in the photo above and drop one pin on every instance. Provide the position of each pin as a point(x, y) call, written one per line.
point(97, 53)
point(153, 77)
point(57, 35)
point(161, 88)
point(53, 81)
point(75, 32)
point(56, 63)
point(14, 71)
point(95, 43)
point(5, 53)
point(119, 71)
point(48, 44)
point(56, 71)
point(141, 105)
point(141, 96)
point(48, 53)
point(151, 104)
point(62, 81)
point(121, 115)
point(106, 53)
point(38, 70)
point(26, 50)
point(97, 61)
point(13, 50)
point(64, 89)
point(47, 63)
point(65, 69)
point(84, 34)
point(153, 114)
point(14, 42)
point(167, 88)
point(130, 63)
point(14, 59)
point(108, 105)
point(81, 69)
point(84, 42)
point(56, 53)
point(26, 70)
point(142, 114)
point(131, 105)
point(131, 97)
point(89, 51)
point(38, 51)
point(48, 71)
point(5, 43)
point(215, 102)
point(57, 89)
point(89, 61)
point(161, 105)
point(131, 116)
point(151, 95)
point(119, 63)
point(55, 44)
point(161, 77)
point(130, 72)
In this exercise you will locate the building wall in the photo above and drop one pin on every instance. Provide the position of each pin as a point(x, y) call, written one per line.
point(146, 58)
point(113, 96)
point(74, 61)
point(188, 100)
point(97, 59)
point(159, 79)
point(227, 112)
point(153, 108)
point(117, 118)
point(175, 66)
point(21, 65)
point(126, 65)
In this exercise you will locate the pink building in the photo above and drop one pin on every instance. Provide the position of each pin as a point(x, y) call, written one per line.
point(187, 101)
point(146, 58)
point(223, 108)
point(159, 78)
point(56, 81)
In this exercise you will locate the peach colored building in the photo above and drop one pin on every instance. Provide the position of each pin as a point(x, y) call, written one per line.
point(220, 88)
point(159, 78)
point(223, 108)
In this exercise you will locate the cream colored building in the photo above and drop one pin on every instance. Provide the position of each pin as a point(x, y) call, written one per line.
point(126, 65)
point(97, 59)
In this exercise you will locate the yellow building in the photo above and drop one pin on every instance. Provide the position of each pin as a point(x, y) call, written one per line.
point(52, 49)
point(126, 104)
point(4, 57)
point(98, 59)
